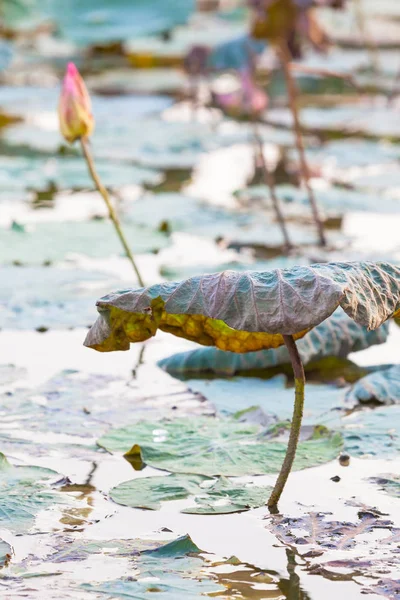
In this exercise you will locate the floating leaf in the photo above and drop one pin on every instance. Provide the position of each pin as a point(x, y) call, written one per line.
point(373, 432)
point(230, 396)
point(32, 297)
point(81, 406)
point(127, 81)
point(365, 432)
point(367, 119)
point(337, 336)
point(99, 21)
point(23, 494)
point(55, 241)
point(248, 311)
point(23, 173)
point(380, 387)
point(68, 549)
point(212, 497)
point(389, 483)
point(172, 571)
point(339, 199)
point(180, 212)
point(209, 446)
point(352, 152)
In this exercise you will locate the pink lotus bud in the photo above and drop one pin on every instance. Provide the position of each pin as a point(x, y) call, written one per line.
point(75, 107)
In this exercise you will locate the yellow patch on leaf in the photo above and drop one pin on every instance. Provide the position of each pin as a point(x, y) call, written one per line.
point(127, 328)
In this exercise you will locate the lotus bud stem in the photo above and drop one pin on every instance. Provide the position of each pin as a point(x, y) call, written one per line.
point(284, 56)
point(299, 382)
point(77, 123)
point(112, 214)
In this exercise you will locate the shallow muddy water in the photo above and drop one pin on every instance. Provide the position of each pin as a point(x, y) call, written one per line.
point(189, 195)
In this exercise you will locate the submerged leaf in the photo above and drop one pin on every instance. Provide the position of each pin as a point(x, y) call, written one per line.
point(243, 312)
point(353, 549)
point(337, 336)
point(381, 387)
point(389, 483)
point(209, 446)
point(373, 432)
point(212, 497)
point(318, 531)
point(171, 571)
point(23, 494)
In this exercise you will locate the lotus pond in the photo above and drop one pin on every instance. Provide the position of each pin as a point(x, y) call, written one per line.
point(130, 473)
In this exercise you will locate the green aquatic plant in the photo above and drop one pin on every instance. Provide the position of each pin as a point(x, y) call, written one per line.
point(244, 312)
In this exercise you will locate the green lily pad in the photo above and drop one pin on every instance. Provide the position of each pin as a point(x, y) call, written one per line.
point(333, 200)
point(117, 117)
point(24, 492)
point(212, 447)
point(172, 571)
point(213, 33)
point(100, 21)
point(68, 550)
point(44, 242)
point(373, 432)
point(236, 394)
point(347, 153)
point(375, 121)
point(157, 80)
point(23, 173)
point(381, 387)
point(366, 432)
point(340, 200)
point(337, 336)
point(23, 14)
point(36, 297)
point(212, 497)
point(178, 212)
point(83, 406)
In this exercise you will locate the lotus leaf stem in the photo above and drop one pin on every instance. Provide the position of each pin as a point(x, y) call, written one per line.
point(269, 181)
point(299, 382)
point(111, 211)
point(292, 91)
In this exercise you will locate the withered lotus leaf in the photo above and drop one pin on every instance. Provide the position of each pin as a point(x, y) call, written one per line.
point(244, 312)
